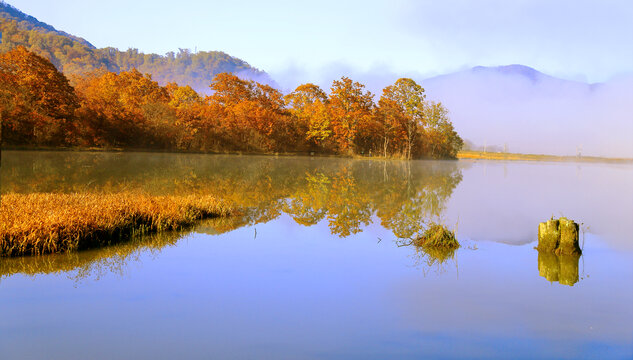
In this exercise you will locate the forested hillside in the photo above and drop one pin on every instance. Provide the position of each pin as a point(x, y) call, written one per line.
point(74, 56)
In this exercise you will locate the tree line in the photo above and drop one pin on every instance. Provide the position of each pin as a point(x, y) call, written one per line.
point(40, 106)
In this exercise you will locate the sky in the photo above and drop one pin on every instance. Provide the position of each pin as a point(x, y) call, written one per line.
point(582, 40)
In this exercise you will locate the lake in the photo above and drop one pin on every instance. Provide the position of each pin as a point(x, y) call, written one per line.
point(318, 264)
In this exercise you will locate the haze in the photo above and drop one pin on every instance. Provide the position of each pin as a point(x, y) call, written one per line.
point(376, 42)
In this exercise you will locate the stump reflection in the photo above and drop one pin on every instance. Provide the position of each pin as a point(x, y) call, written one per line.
point(560, 268)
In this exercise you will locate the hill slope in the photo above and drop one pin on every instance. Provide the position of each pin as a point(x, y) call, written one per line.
point(74, 55)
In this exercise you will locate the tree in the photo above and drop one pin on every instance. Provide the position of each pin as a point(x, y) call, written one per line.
point(442, 138)
point(8, 91)
point(252, 114)
point(348, 104)
point(308, 107)
point(41, 100)
point(403, 102)
point(126, 109)
point(390, 118)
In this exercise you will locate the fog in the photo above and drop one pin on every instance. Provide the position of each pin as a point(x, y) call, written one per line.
point(515, 107)
point(535, 113)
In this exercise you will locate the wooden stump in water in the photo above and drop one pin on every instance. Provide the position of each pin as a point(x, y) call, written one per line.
point(548, 235)
point(559, 236)
point(568, 237)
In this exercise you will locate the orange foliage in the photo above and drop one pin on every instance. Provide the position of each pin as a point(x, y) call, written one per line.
point(38, 101)
point(348, 105)
point(38, 106)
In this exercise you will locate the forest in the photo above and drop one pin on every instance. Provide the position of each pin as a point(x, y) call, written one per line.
point(41, 107)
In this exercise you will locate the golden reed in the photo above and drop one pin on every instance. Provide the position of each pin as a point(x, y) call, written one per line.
point(41, 223)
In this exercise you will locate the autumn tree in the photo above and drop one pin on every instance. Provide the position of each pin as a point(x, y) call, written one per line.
point(349, 103)
point(192, 130)
point(308, 107)
point(252, 114)
point(126, 109)
point(402, 109)
point(392, 121)
point(38, 101)
point(8, 91)
point(443, 141)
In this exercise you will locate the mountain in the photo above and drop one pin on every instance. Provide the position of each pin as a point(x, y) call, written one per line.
point(523, 110)
point(74, 55)
point(27, 22)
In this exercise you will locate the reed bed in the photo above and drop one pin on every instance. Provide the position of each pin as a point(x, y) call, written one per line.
point(41, 223)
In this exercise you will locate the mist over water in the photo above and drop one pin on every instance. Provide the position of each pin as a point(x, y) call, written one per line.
point(533, 113)
point(515, 107)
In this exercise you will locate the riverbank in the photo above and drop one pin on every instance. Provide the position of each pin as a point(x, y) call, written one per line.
point(42, 223)
point(181, 151)
point(536, 157)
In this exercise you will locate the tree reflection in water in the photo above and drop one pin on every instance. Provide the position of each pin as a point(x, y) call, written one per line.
point(348, 194)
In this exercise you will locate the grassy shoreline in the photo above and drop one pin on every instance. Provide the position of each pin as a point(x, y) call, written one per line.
point(536, 157)
point(44, 223)
point(461, 155)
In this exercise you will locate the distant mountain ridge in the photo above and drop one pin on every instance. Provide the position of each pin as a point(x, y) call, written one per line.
point(521, 109)
point(74, 55)
point(517, 70)
point(514, 69)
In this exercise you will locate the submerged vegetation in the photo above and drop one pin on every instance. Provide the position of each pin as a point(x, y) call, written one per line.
point(41, 107)
point(44, 223)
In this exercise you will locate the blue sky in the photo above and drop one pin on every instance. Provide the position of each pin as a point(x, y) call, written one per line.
point(574, 39)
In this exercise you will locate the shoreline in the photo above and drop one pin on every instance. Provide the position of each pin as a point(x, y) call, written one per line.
point(480, 155)
point(200, 152)
point(461, 155)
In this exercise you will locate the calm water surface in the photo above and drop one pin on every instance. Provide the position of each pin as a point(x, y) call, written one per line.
point(318, 267)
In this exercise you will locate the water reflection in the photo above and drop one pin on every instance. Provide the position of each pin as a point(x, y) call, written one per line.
point(559, 268)
point(91, 264)
point(347, 193)
point(436, 259)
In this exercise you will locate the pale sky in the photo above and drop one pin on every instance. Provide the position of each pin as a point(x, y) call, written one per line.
point(574, 39)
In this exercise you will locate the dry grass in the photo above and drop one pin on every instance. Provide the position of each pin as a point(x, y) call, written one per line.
point(44, 223)
point(534, 157)
point(434, 246)
point(437, 236)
